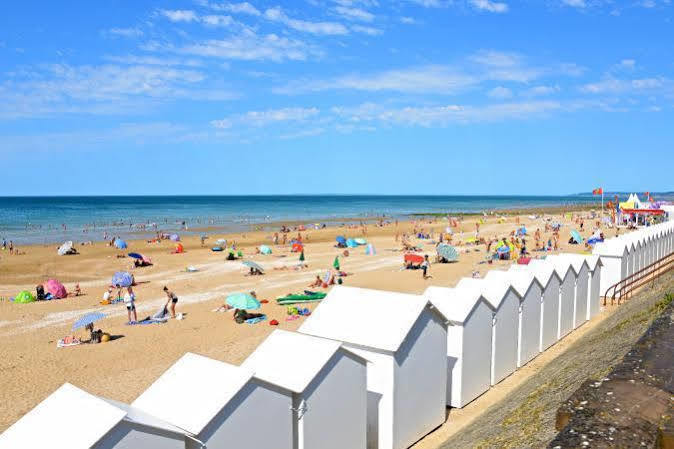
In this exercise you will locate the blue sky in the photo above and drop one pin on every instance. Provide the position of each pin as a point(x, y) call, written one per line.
point(336, 96)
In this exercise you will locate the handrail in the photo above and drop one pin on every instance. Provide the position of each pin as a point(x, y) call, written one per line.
point(625, 287)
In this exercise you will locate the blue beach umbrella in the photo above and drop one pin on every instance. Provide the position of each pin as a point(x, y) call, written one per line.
point(253, 265)
point(242, 301)
point(120, 244)
point(340, 239)
point(351, 243)
point(576, 236)
point(447, 252)
point(88, 319)
point(135, 256)
point(174, 237)
point(122, 278)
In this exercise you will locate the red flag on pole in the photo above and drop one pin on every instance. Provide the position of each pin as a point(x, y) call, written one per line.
point(598, 191)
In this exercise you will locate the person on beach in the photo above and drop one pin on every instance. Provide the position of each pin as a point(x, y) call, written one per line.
point(130, 302)
point(317, 283)
point(425, 265)
point(107, 296)
point(171, 302)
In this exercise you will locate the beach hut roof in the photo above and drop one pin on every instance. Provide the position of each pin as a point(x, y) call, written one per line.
point(138, 416)
point(69, 417)
point(576, 260)
point(373, 318)
point(291, 360)
point(613, 247)
point(542, 270)
point(494, 290)
point(456, 304)
point(561, 265)
point(520, 280)
point(192, 391)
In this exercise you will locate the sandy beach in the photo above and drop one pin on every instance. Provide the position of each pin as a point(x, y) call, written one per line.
point(32, 365)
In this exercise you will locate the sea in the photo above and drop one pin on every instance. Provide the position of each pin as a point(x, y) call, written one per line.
point(46, 220)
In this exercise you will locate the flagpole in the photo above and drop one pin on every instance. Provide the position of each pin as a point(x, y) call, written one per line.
point(602, 203)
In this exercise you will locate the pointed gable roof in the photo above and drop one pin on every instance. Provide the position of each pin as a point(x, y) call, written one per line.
point(493, 290)
point(192, 391)
point(456, 304)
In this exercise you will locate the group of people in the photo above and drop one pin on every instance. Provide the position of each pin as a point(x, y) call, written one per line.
point(129, 299)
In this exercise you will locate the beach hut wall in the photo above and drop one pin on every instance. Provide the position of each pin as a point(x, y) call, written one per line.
point(73, 418)
point(530, 292)
point(404, 339)
point(216, 402)
point(469, 326)
point(582, 286)
point(613, 255)
point(550, 280)
point(505, 301)
point(567, 294)
point(328, 384)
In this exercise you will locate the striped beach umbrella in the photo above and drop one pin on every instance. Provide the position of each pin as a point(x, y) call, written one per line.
point(88, 319)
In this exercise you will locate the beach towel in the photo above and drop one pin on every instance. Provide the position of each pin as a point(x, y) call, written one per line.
point(67, 342)
point(145, 321)
point(256, 319)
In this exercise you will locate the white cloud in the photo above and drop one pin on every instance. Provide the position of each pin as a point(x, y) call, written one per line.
point(628, 63)
point(179, 15)
point(575, 3)
point(276, 14)
point(430, 3)
point(354, 13)
point(367, 30)
point(217, 20)
point(153, 60)
point(125, 32)
point(269, 116)
point(490, 6)
point(249, 46)
point(615, 86)
point(235, 8)
point(408, 20)
point(500, 92)
point(539, 91)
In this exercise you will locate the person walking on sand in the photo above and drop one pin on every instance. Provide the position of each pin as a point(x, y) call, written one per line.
point(130, 302)
point(425, 265)
point(171, 302)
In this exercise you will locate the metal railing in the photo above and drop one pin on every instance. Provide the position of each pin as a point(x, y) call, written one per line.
point(623, 290)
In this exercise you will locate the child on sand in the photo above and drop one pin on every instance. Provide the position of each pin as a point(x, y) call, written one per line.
point(425, 265)
point(129, 301)
point(171, 302)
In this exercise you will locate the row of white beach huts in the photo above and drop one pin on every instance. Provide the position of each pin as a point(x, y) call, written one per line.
point(368, 369)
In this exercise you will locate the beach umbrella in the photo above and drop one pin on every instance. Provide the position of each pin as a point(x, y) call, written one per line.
point(253, 265)
point(179, 248)
point(122, 278)
point(335, 263)
point(56, 289)
point(297, 247)
point(120, 244)
point(24, 297)
point(503, 249)
point(65, 248)
point(361, 241)
point(414, 258)
point(264, 249)
point(242, 301)
point(221, 242)
point(135, 256)
point(88, 319)
point(448, 252)
point(576, 236)
point(341, 240)
point(351, 243)
point(302, 256)
point(174, 237)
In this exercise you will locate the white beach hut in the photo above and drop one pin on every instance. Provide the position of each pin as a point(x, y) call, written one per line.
point(567, 294)
point(530, 292)
point(505, 301)
point(74, 419)
point(404, 339)
point(550, 280)
point(468, 341)
point(635, 250)
point(221, 404)
point(582, 285)
point(613, 255)
point(594, 295)
point(328, 383)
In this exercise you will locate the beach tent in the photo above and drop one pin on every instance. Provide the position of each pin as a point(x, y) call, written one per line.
point(405, 341)
point(73, 418)
point(351, 243)
point(530, 292)
point(341, 241)
point(120, 244)
point(221, 242)
point(264, 249)
point(582, 285)
point(179, 248)
point(613, 255)
point(550, 280)
point(24, 297)
point(66, 248)
point(222, 405)
point(297, 247)
point(122, 278)
point(328, 384)
point(174, 237)
point(413, 258)
point(361, 241)
point(469, 325)
point(575, 235)
point(505, 301)
point(57, 290)
point(370, 250)
point(447, 252)
point(567, 294)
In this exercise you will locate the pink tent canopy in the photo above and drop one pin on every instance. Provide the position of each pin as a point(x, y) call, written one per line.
point(56, 289)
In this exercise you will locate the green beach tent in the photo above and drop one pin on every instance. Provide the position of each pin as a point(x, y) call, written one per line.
point(302, 257)
point(335, 264)
point(24, 297)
